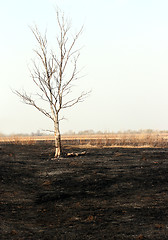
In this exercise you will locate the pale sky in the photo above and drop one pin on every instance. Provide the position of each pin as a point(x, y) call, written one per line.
point(125, 59)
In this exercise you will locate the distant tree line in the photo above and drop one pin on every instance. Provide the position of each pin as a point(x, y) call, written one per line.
point(92, 132)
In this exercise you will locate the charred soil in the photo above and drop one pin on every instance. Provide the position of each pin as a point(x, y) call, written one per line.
point(108, 193)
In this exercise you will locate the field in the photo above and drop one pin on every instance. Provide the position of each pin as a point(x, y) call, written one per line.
point(100, 140)
point(117, 190)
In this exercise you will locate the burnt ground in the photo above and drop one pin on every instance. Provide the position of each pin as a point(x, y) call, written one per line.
point(109, 193)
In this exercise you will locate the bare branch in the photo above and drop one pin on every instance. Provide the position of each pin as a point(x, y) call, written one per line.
point(29, 101)
point(74, 101)
point(70, 53)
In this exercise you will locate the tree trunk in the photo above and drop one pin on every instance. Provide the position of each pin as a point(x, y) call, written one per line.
point(58, 149)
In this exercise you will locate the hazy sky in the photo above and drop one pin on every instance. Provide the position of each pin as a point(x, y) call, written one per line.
point(125, 56)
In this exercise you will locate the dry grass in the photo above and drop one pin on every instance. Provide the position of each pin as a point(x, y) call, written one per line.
point(103, 140)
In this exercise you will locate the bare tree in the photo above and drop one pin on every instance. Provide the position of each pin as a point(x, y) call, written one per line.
point(54, 74)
